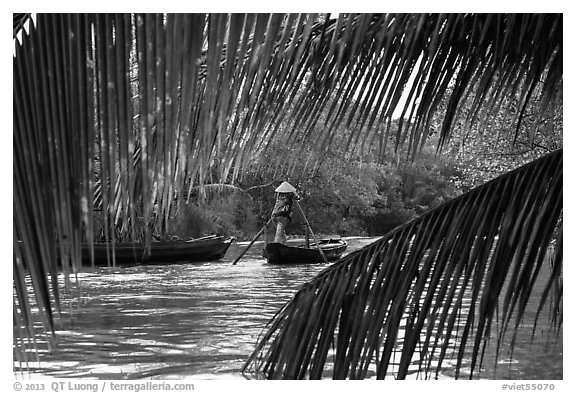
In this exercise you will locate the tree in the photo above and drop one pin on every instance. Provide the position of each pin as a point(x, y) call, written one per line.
point(212, 93)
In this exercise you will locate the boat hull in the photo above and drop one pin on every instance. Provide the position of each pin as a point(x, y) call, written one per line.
point(196, 250)
point(280, 254)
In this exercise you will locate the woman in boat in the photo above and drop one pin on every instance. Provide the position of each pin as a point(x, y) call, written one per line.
point(282, 212)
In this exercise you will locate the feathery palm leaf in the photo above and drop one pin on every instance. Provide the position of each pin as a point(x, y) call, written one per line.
point(488, 245)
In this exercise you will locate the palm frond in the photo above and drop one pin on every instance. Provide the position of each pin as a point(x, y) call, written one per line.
point(454, 266)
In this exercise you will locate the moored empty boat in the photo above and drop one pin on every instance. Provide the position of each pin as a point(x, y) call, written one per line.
point(208, 248)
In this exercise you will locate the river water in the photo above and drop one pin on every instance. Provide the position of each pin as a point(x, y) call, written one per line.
point(203, 320)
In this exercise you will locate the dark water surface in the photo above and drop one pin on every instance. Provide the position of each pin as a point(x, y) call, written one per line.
point(203, 320)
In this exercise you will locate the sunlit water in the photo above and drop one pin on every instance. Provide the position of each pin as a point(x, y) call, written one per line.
point(203, 321)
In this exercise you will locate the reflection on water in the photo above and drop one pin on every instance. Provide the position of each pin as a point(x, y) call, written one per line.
point(203, 321)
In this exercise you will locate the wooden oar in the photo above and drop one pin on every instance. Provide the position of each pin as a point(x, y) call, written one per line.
point(252, 242)
point(312, 232)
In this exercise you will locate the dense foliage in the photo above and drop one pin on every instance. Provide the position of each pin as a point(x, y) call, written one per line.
point(367, 194)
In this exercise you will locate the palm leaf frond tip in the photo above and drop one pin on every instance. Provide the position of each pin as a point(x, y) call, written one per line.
point(428, 289)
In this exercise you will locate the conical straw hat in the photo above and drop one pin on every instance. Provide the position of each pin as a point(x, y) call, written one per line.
point(285, 188)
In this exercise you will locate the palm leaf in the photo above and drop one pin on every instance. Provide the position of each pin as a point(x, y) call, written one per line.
point(488, 245)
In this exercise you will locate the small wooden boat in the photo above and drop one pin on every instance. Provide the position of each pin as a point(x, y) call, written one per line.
point(278, 253)
point(208, 248)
